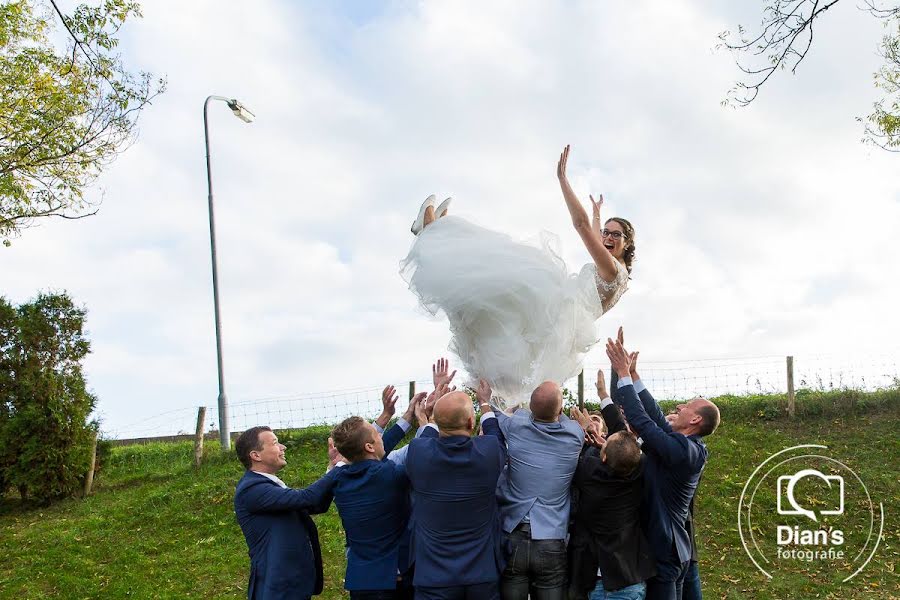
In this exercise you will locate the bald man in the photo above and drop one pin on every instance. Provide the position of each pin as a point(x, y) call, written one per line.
point(456, 536)
point(675, 457)
point(534, 493)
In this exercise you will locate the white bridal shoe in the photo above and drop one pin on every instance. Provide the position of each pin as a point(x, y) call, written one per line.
point(419, 223)
point(443, 206)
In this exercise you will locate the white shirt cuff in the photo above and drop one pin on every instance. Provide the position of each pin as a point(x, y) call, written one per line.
point(404, 424)
point(623, 381)
point(433, 426)
point(377, 427)
point(605, 402)
point(639, 386)
point(487, 415)
point(339, 463)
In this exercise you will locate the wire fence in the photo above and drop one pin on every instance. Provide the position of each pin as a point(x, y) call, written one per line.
point(675, 380)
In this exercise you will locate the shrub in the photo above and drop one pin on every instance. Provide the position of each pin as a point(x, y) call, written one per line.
point(45, 437)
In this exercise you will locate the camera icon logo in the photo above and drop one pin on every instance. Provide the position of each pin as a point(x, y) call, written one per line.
point(787, 483)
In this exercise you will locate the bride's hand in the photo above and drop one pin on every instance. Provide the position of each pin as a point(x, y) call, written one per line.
point(596, 204)
point(561, 165)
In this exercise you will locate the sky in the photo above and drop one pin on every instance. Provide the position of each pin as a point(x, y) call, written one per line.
point(763, 231)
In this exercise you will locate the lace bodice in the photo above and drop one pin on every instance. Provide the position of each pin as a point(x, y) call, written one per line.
point(610, 291)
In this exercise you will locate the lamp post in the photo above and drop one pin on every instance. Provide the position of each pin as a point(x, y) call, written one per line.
point(241, 112)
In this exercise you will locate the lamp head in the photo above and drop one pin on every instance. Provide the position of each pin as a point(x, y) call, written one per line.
point(241, 111)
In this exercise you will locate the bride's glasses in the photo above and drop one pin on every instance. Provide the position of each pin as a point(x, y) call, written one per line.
point(616, 235)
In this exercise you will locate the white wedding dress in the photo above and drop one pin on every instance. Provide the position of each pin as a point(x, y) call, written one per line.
point(517, 316)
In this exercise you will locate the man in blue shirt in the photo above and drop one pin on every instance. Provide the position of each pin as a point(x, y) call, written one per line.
point(534, 493)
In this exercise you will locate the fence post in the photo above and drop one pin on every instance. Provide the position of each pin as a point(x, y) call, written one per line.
point(581, 390)
point(89, 480)
point(790, 387)
point(198, 436)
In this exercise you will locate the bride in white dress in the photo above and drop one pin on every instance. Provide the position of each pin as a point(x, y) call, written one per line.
point(517, 316)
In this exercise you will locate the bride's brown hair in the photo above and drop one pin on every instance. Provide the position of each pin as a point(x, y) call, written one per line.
point(628, 229)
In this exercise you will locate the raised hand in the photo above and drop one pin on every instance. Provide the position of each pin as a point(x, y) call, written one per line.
point(439, 372)
point(562, 164)
point(483, 392)
point(410, 413)
point(594, 435)
point(334, 456)
point(436, 395)
point(618, 357)
point(620, 338)
point(580, 416)
point(421, 415)
point(634, 373)
point(596, 225)
point(389, 399)
point(602, 392)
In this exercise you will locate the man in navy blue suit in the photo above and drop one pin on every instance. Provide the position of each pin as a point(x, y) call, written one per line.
point(456, 538)
point(675, 457)
point(285, 558)
point(372, 497)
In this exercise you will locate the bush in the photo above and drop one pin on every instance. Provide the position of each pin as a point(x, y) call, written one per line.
point(45, 438)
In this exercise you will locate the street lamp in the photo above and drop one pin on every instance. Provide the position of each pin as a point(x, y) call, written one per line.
point(241, 112)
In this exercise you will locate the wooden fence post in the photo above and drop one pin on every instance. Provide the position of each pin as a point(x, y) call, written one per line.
point(581, 390)
point(790, 387)
point(89, 480)
point(198, 436)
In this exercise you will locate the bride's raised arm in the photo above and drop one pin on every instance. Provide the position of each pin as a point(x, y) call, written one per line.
point(606, 263)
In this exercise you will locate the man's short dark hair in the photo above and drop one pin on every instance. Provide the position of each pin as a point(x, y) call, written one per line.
point(249, 442)
point(350, 438)
point(710, 414)
point(623, 455)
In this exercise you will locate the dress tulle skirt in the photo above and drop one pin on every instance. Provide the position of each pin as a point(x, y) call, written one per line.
point(516, 315)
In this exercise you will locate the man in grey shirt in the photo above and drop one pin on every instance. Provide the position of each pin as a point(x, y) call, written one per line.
point(534, 493)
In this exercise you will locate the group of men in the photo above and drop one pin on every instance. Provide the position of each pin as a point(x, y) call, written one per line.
point(537, 505)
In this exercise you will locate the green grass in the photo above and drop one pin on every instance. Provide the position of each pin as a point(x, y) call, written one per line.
point(156, 528)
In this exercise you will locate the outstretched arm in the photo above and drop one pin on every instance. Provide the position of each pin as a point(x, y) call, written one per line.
point(606, 264)
point(670, 448)
point(264, 497)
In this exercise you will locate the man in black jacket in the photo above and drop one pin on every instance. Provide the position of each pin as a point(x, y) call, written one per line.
point(607, 533)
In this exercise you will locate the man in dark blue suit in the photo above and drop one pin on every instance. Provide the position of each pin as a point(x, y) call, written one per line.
point(675, 457)
point(372, 497)
point(285, 558)
point(456, 538)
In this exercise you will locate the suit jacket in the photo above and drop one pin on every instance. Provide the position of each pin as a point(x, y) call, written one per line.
point(285, 558)
point(372, 498)
point(608, 532)
point(674, 463)
point(538, 480)
point(456, 534)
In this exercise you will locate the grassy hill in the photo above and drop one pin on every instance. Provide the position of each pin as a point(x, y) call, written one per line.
point(156, 528)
